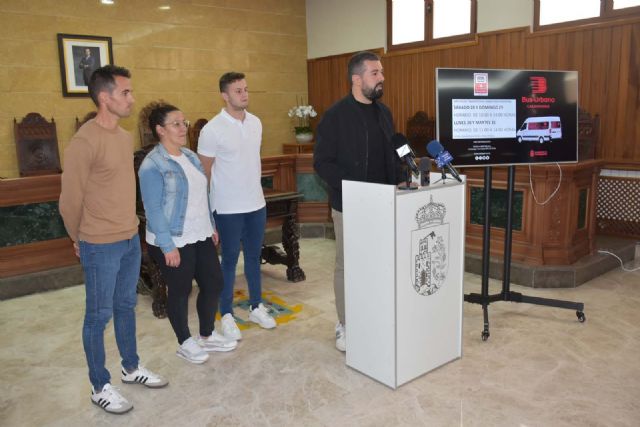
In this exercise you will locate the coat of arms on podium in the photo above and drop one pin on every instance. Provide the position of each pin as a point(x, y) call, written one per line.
point(429, 248)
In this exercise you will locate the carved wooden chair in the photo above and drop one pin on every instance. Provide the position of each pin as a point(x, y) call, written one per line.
point(90, 115)
point(151, 281)
point(420, 130)
point(36, 145)
point(146, 137)
point(588, 135)
point(194, 134)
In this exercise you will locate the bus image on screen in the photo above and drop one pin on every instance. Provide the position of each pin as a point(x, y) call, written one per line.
point(541, 129)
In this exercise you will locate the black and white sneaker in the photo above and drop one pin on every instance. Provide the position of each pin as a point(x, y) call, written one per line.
point(110, 400)
point(143, 376)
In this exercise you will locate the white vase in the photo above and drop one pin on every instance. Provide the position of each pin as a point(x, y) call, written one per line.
point(304, 137)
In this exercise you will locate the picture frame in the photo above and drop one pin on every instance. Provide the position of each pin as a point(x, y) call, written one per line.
point(79, 56)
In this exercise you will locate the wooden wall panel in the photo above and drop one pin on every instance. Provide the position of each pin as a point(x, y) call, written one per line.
point(32, 189)
point(634, 87)
point(282, 170)
point(318, 212)
point(607, 57)
point(311, 211)
point(329, 82)
point(37, 256)
point(550, 233)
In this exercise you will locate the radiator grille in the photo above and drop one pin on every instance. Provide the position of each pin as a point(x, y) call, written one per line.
point(618, 206)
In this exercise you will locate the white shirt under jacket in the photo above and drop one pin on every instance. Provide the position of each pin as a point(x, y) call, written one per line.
point(197, 224)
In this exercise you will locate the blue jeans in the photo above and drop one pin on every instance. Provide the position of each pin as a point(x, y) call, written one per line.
point(111, 272)
point(247, 228)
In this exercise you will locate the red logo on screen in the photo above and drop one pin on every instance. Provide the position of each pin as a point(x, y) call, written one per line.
point(538, 153)
point(538, 85)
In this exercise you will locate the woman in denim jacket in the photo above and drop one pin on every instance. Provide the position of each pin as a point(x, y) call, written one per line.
point(181, 233)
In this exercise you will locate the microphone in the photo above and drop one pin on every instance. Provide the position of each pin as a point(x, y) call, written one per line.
point(425, 169)
point(443, 158)
point(401, 144)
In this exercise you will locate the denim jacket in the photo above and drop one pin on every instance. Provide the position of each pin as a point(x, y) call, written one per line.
point(165, 189)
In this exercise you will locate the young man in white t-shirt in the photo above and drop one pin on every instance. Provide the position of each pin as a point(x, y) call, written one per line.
point(229, 149)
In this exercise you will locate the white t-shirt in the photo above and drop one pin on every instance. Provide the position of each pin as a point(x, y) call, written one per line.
point(197, 225)
point(235, 145)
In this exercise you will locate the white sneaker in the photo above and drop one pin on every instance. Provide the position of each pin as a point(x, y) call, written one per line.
point(217, 342)
point(143, 376)
point(261, 316)
point(229, 328)
point(110, 400)
point(341, 337)
point(190, 351)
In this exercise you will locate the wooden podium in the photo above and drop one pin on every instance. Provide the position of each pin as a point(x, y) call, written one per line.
point(404, 267)
point(298, 148)
point(557, 233)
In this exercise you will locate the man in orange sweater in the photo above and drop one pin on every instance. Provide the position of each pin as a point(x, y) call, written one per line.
point(98, 206)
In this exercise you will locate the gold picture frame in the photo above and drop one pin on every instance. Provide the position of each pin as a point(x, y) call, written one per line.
point(79, 56)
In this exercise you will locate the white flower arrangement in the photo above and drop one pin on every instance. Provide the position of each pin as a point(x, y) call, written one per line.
point(302, 113)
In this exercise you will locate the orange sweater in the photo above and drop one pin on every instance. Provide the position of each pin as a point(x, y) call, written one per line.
point(98, 197)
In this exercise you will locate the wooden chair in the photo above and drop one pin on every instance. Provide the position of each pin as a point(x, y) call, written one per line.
point(36, 146)
point(90, 115)
point(588, 134)
point(146, 137)
point(194, 134)
point(420, 130)
point(151, 281)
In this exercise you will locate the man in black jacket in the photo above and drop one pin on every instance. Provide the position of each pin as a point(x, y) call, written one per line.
point(353, 142)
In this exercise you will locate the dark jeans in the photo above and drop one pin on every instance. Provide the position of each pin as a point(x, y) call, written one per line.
point(200, 261)
point(247, 228)
point(111, 272)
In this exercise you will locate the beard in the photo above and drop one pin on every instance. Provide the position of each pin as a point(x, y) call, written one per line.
point(373, 93)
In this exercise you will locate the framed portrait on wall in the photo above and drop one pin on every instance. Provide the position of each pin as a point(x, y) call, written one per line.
point(79, 57)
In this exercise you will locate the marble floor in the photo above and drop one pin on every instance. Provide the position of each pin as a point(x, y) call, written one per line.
point(541, 367)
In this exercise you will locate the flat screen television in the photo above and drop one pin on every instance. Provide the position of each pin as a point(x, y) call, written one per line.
point(507, 117)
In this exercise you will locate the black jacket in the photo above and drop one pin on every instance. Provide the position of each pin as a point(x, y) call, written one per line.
point(341, 150)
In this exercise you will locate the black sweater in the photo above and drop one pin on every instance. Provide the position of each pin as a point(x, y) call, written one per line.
point(341, 150)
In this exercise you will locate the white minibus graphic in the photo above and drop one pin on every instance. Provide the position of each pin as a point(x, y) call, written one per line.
point(541, 129)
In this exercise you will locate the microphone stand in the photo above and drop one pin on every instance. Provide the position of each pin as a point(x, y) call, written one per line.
point(443, 177)
point(407, 185)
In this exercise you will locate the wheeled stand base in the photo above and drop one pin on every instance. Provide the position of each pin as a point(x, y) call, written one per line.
point(518, 297)
point(484, 298)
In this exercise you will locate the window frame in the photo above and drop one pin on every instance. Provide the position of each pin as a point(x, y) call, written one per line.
point(429, 41)
point(607, 13)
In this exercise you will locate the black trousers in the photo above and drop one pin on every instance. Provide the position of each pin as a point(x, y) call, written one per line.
point(197, 261)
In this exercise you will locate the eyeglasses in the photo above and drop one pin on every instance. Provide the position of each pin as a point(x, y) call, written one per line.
point(178, 123)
